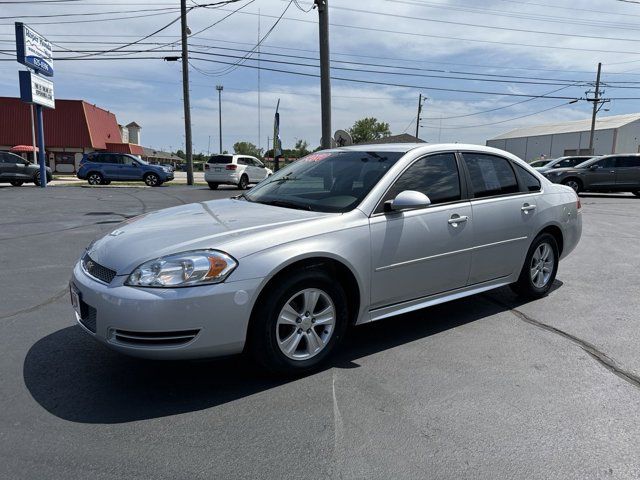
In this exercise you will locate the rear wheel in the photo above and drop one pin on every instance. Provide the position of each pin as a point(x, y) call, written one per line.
point(17, 183)
point(573, 183)
point(212, 185)
point(299, 324)
point(540, 267)
point(152, 180)
point(243, 183)
point(95, 178)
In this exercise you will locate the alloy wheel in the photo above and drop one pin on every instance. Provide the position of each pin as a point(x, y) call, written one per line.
point(542, 263)
point(151, 180)
point(94, 179)
point(573, 184)
point(305, 324)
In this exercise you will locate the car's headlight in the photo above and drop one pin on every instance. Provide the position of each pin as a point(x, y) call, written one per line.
point(202, 267)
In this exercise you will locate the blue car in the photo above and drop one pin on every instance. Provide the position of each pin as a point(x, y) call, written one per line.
point(100, 168)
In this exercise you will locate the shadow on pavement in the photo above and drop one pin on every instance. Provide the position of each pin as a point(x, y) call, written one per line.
point(77, 379)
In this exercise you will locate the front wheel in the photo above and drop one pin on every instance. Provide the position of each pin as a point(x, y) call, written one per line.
point(540, 267)
point(297, 326)
point(573, 183)
point(212, 186)
point(152, 180)
point(16, 183)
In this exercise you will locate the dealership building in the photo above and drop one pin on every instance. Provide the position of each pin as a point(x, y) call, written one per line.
point(73, 128)
point(614, 134)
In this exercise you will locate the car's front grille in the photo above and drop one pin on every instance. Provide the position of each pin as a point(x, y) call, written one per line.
point(154, 339)
point(96, 270)
point(88, 316)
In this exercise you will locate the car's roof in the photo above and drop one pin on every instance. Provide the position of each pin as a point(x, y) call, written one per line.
point(406, 147)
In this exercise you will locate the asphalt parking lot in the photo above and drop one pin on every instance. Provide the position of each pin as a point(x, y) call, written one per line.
point(482, 388)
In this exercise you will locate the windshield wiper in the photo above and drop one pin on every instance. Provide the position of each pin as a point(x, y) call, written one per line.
point(242, 195)
point(285, 204)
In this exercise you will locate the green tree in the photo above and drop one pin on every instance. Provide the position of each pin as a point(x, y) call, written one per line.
point(368, 129)
point(247, 148)
point(301, 149)
point(181, 154)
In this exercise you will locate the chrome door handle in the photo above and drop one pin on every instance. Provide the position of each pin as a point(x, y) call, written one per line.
point(456, 219)
point(526, 208)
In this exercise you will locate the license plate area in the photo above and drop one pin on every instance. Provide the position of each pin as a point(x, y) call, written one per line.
point(217, 170)
point(75, 299)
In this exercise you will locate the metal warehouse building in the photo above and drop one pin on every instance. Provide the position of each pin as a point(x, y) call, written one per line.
point(615, 134)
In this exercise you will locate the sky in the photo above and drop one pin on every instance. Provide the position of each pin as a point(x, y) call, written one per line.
point(495, 54)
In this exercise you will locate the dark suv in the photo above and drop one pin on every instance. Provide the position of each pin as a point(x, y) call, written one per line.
point(102, 168)
point(610, 173)
point(16, 170)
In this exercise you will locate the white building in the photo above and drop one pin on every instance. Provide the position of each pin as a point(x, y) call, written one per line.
point(615, 134)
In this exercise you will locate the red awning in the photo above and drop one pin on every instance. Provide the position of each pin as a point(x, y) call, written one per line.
point(23, 148)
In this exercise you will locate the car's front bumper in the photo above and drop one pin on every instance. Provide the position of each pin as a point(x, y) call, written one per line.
point(176, 323)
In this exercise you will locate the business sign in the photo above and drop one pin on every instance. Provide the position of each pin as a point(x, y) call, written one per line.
point(33, 50)
point(35, 89)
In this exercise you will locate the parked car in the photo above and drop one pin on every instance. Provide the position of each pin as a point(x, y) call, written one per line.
point(562, 162)
point(341, 237)
point(609, 173)
point(16, 170)
point(100, 168)
point(240, 170)
point(539, 163)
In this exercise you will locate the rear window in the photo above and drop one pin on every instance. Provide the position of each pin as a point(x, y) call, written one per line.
point(220, 159)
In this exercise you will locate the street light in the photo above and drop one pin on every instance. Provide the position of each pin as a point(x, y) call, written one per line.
point(219, 88)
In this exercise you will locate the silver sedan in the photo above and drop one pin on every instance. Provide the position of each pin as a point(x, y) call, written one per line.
point(341, 237)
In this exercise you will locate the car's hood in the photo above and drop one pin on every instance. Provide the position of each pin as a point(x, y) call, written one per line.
point(189, 227)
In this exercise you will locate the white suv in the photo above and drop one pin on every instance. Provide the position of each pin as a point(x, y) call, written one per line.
point(240, 170)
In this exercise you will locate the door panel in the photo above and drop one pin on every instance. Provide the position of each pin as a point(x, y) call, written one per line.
point(129, 169)
point(503, 216)
point(604, 177)
point(502, 233)
point(628, 172)
point(419, 253)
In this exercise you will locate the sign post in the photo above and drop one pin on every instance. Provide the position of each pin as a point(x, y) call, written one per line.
point(35, 52)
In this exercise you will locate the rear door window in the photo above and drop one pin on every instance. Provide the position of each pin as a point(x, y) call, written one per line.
point(530, 181)
point(490, 175)
point(628, 162)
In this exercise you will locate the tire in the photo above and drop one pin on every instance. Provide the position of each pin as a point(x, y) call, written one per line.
point(243, 183)
point(95, 178)
point(152, 180)
point(212, 186)
point(534, 282)
point(636, 193)
point(105, 182)
point(269, 335)
point(16, 183)
point(573, 183)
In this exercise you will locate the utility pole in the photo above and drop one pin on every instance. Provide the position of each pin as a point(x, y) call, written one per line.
point(219, 88)
point(418, 117)
point(325, 71)
point(596, 103)
point(185, 92)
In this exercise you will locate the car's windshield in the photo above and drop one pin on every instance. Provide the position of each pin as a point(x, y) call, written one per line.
point(325, 181)
point(539, 163)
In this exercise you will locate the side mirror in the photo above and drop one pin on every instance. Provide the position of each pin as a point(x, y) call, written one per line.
point(594, 167)
point(407, 200)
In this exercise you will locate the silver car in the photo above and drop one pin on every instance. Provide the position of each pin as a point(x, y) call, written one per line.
point(341, 237)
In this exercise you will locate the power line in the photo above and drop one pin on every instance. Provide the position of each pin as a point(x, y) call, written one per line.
point(91, 13)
